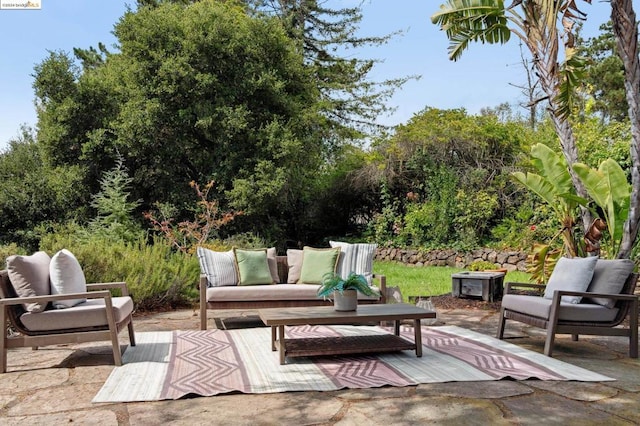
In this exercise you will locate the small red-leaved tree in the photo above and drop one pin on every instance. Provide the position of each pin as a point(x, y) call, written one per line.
point(185, 236)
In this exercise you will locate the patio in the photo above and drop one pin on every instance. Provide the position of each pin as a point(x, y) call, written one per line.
point(55, 385)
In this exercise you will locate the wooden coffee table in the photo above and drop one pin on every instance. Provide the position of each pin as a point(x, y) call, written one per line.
point(278, 318)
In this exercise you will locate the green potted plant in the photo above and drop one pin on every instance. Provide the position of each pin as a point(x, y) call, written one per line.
point(344, 291)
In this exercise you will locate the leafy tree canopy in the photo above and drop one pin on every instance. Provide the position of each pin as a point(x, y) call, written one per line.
point(604, 75)
point(197, 92)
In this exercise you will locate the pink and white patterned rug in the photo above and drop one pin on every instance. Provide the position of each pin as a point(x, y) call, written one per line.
point(174, 364)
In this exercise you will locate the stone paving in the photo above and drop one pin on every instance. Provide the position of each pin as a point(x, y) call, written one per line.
point(55, 385)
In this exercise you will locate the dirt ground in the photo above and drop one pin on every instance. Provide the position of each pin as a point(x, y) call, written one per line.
point(447, 301)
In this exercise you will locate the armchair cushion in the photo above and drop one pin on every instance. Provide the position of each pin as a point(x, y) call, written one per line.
point(66, 277)
point(609, 277)
point(91, 313)
point(541, 307)
point(571, 275)
point(29, 276)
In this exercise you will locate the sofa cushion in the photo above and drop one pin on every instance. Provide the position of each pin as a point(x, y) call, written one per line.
point(272, 259)
point(218, 266)
point(258, 293)
point(317, 263)
point(571, 275)
point(357, 258)
point(66, 277)
point(294, 260)
point(29, 276)
point(91, 313)
point(541, 307)
point(253, 267)
point(609, 277)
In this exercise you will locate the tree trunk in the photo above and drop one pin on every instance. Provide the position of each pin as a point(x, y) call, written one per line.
point(564, 130)
point(625, 29)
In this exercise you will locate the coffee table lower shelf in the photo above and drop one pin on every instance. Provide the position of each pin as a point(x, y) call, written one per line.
point(344, 345)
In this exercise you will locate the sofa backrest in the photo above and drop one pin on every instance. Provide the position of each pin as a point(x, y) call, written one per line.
point(283, 269)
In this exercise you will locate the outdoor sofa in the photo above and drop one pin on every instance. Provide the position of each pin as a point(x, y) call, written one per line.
point(285, 292)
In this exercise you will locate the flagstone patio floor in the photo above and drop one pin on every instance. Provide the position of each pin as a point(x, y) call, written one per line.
point(55, 385)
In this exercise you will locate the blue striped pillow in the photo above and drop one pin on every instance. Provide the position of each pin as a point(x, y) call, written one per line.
point(218, 266)
point(357, 258)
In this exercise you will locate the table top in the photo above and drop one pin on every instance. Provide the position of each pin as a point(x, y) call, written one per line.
point(327, 315)
point(478, 274)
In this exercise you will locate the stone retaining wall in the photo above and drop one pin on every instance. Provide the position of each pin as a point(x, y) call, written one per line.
point(510, 260)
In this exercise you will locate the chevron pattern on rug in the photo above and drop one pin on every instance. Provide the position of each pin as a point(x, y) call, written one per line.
point(171, 365)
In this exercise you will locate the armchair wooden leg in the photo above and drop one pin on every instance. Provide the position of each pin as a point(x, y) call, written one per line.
point(552, 325)
point(3, 356)
point(549, 341)
point(132, 336)
point(633, 332)
point(3, 341)
point(574, 337)
point(117, 355)
point(500, 333)
point(113, 332)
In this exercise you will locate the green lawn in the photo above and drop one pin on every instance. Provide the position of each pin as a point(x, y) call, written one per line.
point(426, 280)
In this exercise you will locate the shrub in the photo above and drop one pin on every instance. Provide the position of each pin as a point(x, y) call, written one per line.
point(7, 250)
point(157, 276)
point(482, 265)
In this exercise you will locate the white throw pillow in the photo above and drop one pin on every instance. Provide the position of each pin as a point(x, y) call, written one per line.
point(218, 266)
point(357, 258)
point(571, 275)
point(66, 277)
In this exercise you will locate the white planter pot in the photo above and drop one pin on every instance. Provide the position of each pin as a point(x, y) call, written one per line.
point(345, 301)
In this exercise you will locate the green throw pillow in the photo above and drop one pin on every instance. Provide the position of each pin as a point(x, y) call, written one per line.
point(316, 263)
point(253, 267)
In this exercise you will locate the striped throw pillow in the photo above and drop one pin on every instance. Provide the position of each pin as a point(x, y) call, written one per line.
point(357, 258)
point(218, 266)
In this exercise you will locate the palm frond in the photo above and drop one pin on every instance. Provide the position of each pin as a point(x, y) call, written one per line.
point(572, 72)
point(466, 21)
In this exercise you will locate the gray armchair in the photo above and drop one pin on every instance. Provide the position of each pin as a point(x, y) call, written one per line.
point(100, 317)
point(587, 317)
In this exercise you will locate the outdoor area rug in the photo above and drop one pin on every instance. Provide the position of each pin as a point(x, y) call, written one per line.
point(174, 364)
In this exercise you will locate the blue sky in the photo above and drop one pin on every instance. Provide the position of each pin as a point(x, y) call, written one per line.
point(482, 78)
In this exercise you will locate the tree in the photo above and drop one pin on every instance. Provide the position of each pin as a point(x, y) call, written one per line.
point(535, 23)
point(625, 27)
point(115, 212)
point(32, 194)
point(437, 167)
point(351, 102)
point(197, 93)
point(604, 75)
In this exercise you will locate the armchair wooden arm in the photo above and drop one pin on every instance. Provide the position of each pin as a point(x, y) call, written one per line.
point(559, 293)
point(54, 297)
point(124, 290)
point(532, 286)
